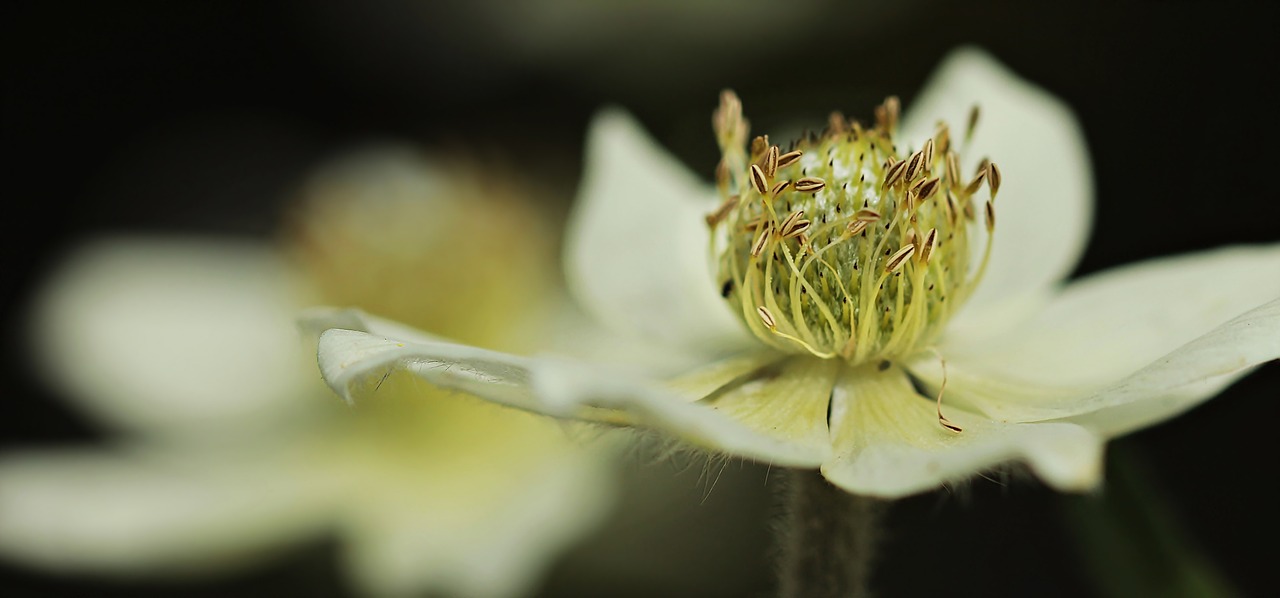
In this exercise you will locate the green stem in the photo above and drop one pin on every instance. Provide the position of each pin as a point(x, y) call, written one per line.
point(827, 539)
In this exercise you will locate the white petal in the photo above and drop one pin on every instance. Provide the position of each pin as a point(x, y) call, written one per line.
point(1187, 376)
point(164, 333)
point(1105, 327)
point(1045, 205)
point(140, 513)
point(491, 537)
point(788, 401)
point(354, 363)
point(637, 246)
point(888, 442)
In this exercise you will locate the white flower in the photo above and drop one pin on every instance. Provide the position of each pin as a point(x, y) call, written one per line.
point(230, 446)
point(1037, 370)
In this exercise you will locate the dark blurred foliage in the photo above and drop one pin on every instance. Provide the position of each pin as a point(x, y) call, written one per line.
point(199, 117)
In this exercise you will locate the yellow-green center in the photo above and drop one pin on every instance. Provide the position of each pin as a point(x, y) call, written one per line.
point(840, 245)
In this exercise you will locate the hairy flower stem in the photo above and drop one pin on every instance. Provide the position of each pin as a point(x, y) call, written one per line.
point(826, 538)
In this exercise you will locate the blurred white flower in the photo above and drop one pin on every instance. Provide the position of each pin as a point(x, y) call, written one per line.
point(1037, 370)
point(230, 446)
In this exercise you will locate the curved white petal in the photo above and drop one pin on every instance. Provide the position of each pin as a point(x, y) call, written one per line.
point(172, 333)
point(1045, 205)
point(888, 442)
point(1105, 327)
point(637, 245)
point(140, 513)
point(1187, 376)
point(355, 363)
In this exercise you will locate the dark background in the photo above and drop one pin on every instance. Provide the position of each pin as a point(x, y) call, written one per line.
point(146, 117)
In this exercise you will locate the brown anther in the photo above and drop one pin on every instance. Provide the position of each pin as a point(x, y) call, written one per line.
point(887, 114)
point(779, 187)
point(976, 183)
point(771, 161)
point(761, 238)
point(757, 179)
point(993, 179)
point(943, 137)
point(759, 145)
point(856, 227)
point(972, 124)
point(925, 188)
point(952, 170)
point(837, 124)
point(930, 242)
point(927, 152)
point(915, 164)
point(968, 210)
point(766, 317)
point(810, 184)
point(896, 260)
point(796, 229)
point(953, 211)
point(991, 216)
point(728, 116)
point(866, 215)
point(894, 174)
point(789, 158)
point(722, 212)
point(790, 221)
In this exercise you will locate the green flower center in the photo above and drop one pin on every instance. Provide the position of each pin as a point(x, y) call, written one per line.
point(840, 245)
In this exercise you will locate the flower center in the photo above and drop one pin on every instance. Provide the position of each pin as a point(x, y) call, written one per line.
point(841, 246)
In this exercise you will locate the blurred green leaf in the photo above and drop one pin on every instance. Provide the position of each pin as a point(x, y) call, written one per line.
point(1131, 540)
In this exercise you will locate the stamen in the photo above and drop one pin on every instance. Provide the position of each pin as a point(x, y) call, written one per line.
point(758, 181)
point(952, 170)
point(722, 212)
point(758, 246)
point(810, 184)
point(895, 262)
point(942, 419)
point(976, 183)
point(845, 248)
point(930, 241)
point(993, 179)
point(789, 158)
point(771, 162)
point(767, 317)
point(972, 124)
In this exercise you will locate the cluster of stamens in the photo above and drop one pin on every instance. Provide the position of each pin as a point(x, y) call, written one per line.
point(841, 246)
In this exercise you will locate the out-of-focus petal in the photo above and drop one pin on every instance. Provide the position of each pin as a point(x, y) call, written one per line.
point(1045, 204)
point(172, 334)
point(637, 247)
point(478, 503)
point(154, 512)
point(888, 443)
point(1092, 338)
